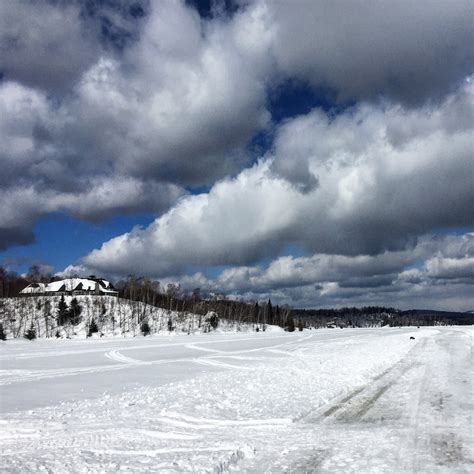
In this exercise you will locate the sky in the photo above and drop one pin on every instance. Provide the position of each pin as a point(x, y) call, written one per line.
point(316, 153)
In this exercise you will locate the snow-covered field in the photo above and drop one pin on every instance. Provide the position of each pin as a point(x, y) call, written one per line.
point(352, 400)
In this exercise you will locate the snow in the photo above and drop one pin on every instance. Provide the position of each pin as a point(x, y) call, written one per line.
point(331, 400)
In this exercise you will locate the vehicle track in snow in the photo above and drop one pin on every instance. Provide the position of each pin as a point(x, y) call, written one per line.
point(412, 418)
point(121, 344)
point(355, 405)
point(8, 377)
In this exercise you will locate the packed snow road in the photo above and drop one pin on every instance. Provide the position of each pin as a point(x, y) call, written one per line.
point(367, 400)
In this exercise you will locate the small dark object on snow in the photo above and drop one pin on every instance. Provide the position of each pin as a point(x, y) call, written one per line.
point(411, 337)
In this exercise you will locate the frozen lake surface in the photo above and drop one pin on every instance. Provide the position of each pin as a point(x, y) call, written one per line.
point(352, 400)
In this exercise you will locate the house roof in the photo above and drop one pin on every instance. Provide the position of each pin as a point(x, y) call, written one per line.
point(34, 288)
point(70, 284)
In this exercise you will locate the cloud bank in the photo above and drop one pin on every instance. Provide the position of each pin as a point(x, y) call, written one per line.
point(384, 177)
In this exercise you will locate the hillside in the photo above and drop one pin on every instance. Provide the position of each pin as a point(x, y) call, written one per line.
point(376, 316)
point(112, 316)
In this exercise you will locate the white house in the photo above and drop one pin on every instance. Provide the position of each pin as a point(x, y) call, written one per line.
point(72, 286)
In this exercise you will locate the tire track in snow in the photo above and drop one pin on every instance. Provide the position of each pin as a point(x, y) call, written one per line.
point(119, 357)
point(159, 344)
point(204, 349)
point(359, 405)
point(359, 401)
point(99, 437)
point(212, 362)
point(154, 452)
point(28, 376)
point(412, 415)
point(187, 421)
point(126, 362)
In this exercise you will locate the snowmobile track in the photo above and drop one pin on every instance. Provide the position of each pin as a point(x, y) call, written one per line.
point(358, 402)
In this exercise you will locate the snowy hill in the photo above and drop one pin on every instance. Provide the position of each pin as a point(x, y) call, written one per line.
point(113, 317)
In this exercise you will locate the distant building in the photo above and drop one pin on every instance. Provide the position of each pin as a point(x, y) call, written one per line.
point(71, 286)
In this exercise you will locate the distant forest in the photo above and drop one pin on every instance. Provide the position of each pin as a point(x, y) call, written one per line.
point(173, 298)
point(370, 316)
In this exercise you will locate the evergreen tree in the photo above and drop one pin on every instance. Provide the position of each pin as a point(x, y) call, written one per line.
point(31, 333)
point(62, 311)
point(256, 313)
point(92, 328)
point(3, 336)
point(75, 312)
point(270, 314)
point(214, 321)
point(290, 324)
point(278, 316)
point(145, 328)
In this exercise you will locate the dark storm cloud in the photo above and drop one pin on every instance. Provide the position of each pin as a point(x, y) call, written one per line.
point(49, 44)
point(15, 235)
point(408, 51)
point(43, 45)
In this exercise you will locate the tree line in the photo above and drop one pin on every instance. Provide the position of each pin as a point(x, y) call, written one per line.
point(173, 298)
point(11, 283)
point(375, 316)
